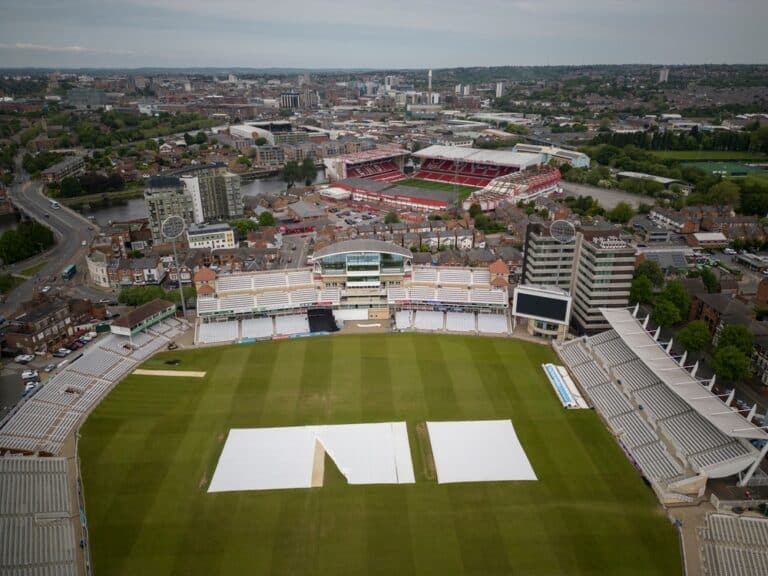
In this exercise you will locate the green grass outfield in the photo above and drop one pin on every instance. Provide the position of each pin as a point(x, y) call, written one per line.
point(148, 450)
point(704, 155)
point(464, 191)
point(732, 168)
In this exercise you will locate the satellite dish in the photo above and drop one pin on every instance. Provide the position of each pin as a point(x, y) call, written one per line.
point(562, 231)
point(172, 227)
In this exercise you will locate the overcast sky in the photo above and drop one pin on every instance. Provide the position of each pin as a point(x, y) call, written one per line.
point(379, 34)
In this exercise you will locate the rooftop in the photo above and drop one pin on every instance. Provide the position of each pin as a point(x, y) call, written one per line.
point(380, 153)
point(678, 379)
point(362, 245)
point(195, 229)
point(164, 182)
point(474, 155)
point(137, 316)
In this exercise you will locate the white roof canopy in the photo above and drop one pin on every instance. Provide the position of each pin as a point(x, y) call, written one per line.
point(678, 379)
point(521, 160)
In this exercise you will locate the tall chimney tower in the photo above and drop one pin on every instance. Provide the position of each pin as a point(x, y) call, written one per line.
point(429, 76)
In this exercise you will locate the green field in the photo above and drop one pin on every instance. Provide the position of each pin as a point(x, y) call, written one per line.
point(32, 270)
point(464, 191)
point(152, 445)
point(726, 168)
point(704, 155)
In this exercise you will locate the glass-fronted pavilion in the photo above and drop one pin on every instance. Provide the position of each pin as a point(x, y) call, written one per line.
point(362, 264)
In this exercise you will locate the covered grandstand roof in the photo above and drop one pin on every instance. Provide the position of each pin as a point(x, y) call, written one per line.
point(362, 245)
point(380, 153)
point(474, 155)
point(678, 379)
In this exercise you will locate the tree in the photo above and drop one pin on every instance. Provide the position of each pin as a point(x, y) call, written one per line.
point(391, 218)
point(474, 210)
point(201, 138)
point(726, 193)
point(738, 336)
point(308, 171)
point(665, 313)
point(260, 141)
point(70, 187)
point(694, 337)
point(710, 280)
point(266, 219)
point(242, 226)
point(291, 172)
point(641, 291)
point(675, 293)
point(138, 295)
point(652, 271)
point(621, 213)
point(730, 363)
point(25, 240)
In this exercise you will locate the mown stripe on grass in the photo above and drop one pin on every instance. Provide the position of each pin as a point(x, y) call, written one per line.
point(346, 391)
point(312, 404)
point(438, 387)
point(377, 399)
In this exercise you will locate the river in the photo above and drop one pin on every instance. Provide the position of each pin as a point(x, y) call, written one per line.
point(134, 208)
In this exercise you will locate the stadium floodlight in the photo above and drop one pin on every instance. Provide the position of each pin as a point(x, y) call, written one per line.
point(562, 231)
point(172, 228)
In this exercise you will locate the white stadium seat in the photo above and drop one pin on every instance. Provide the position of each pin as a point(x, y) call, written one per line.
point(492, 324)
point(292, 324)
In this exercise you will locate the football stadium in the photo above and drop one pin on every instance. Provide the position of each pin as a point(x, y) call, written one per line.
point(444, 176)
point(367, 414)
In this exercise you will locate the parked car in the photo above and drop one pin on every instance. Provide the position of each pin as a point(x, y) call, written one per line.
point(23, 358)
point(62, 352)
point(29, 375)
point(29, 388)
point(49, 368)
point(729, 251)
point(46, 289)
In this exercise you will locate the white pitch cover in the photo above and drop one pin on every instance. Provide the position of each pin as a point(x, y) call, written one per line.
point(265, 459)
point(478, 451)
point(280, 458)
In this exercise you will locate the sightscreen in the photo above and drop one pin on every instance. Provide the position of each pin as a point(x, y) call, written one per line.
point(553, 309)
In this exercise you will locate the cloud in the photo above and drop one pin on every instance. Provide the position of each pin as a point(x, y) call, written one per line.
point(372, 33)
point(67, 49)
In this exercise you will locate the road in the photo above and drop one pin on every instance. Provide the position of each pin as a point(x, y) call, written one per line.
point(69, 228)
point(295, 249)
point(608, 197)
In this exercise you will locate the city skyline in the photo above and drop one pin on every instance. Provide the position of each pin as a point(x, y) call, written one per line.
point(234, 33)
